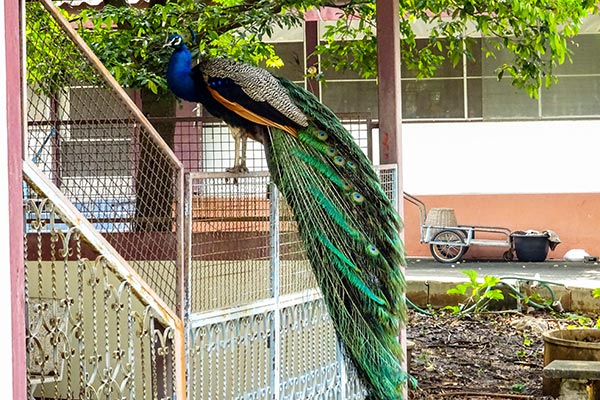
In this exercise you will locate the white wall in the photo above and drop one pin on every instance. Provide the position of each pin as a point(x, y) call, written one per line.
point(501, 157)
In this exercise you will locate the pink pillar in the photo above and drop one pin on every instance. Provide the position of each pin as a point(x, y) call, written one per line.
point(11, 203)
point(390, 104)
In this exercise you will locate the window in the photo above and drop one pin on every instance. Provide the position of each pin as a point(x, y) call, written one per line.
point(471, 89)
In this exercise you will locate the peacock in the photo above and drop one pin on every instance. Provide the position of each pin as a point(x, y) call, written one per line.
point(349, 227)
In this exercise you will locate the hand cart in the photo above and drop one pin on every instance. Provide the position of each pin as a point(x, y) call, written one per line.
point(448, 241)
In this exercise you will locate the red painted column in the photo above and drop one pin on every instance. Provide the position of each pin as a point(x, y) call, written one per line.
point(390, 105)
point(311, 40)
point(11, 124)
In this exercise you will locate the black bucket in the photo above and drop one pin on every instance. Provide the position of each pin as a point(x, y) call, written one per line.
point(532, 247)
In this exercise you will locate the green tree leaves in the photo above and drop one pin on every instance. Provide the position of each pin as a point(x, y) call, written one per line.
point(535, 34)
point(129, 40)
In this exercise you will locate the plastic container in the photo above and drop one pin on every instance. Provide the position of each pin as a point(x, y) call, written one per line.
point(569, 344)
point(531, 247)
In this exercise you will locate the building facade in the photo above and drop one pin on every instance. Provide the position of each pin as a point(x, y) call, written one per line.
point(485, 148)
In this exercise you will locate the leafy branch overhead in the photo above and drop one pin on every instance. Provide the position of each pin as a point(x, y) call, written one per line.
point(535, 33)
point(130, 40)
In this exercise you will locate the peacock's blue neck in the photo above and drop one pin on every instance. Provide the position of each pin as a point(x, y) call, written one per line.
point(179, 77)
point(190, 86)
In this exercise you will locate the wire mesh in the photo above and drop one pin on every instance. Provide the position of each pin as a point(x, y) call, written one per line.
point(205, 144)
point(85, 136)
point(295, 270)
point(230, 241)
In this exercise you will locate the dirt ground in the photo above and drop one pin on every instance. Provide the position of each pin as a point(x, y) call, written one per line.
point(486, 356)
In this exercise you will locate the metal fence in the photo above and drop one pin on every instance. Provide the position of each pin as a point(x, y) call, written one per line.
point(105, 191)
point(205, 144)
point(258, 328)
point(95, 145)
point(94, 328)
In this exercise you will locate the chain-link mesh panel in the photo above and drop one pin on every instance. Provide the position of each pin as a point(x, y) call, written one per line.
point(252, 298)
point(204, 144)
point(230, 241)
point(96, 147)
point(219, 149)
point(89, 332)
point(296, 274)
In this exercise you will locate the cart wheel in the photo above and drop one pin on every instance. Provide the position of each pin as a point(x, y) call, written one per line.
point(452, 249)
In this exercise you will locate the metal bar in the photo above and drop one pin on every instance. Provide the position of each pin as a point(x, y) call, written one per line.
point(490, 243)
point(59, 122)
point(259, 307)
point(228, 175)
point(110, 80)
point(275, 338)
point(187, 268)
point(180, 261)
point(490, 229)
point(240, 219)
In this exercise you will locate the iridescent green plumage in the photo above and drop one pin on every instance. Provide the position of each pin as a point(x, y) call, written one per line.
point(353, 245)
point(348, 225)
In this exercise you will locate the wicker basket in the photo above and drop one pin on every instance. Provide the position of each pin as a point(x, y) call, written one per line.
point(440, 217)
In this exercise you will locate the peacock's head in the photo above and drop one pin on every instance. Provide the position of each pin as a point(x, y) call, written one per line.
point(175, 41)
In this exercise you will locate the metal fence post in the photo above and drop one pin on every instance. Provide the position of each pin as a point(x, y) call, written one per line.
point(341, 363)
point(275, 289)
point(187, 228)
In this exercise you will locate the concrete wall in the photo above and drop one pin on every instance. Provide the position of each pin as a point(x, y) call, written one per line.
point(520, 175)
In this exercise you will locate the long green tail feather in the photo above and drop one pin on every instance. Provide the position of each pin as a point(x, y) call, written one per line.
point(351, 233)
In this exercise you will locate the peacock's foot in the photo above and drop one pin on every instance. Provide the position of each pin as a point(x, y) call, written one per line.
point(238, 169)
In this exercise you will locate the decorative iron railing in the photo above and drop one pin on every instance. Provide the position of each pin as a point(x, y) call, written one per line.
point(94, 327)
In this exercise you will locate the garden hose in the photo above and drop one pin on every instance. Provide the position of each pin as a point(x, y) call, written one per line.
point(543, 283)
point(417, 308)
